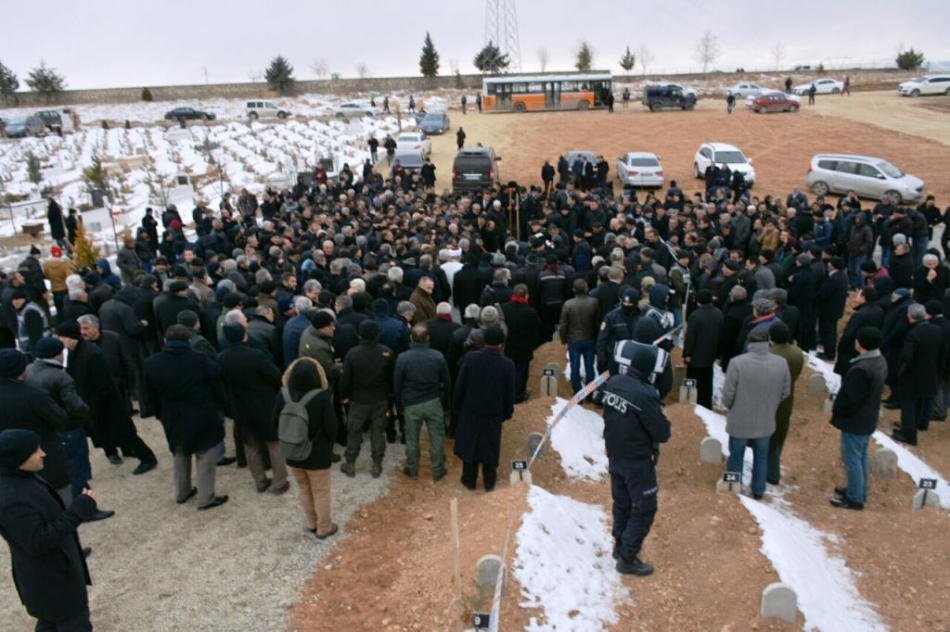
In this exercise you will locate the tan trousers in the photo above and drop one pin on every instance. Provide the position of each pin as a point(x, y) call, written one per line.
point(313, 494)
point(252, 450)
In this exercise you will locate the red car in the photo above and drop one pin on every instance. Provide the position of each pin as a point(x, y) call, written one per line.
point(775, 102)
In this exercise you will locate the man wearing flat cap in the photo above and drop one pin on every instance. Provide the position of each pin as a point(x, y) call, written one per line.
point(49, 568)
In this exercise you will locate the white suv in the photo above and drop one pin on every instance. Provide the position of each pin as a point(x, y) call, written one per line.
point(867, 176)
point(723, 153)
point(928, 84)
point(265, 109)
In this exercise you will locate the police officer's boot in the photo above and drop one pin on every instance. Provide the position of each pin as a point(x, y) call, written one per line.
point(636, 567)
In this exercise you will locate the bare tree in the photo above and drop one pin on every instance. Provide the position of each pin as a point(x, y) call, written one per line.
point(543, 58)
point(319, 68)
point(778, 54)
point(646, 57)
point(362, 70)
point(255, 75)
point(707, 50)
point(453, 65)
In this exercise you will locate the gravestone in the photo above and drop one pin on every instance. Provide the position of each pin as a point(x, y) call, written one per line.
point(816, 384)
point(710, 451)
point(830, 403)
point(925, 498)
point(487, 571)
point(779, 601)
point(548, 386)
point(884, 463)
point(521, 476)
point(534, 440)
point(688, 392)
point(679, 374)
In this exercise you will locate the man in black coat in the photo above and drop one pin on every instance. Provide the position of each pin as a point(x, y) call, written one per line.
point(936, 313)
point(701, 346)
point(524, 329)
point(118, 316)
point(893, 331)
point(830, 302)
point(802, 287)
point(733, 317)
point(168, 304)
point(466, 284)
point(923, 359)
point(49, 569)
point(484, 399)
point(855, 413)
point(620, 323)
point(186, 391)
point(441, 329)
point(866, 314)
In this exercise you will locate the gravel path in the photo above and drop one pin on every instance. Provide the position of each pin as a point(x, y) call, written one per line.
point(160, 566)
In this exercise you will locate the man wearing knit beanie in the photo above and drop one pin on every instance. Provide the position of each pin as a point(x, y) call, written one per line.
point(57, 597)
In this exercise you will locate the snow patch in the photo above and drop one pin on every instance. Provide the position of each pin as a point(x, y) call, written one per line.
point(564, 566)
point(827, 594)
point(832, 379)
point(914, 467)
point(579, 441)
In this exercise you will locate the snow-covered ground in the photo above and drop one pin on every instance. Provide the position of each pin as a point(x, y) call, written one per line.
point(579, 441)
point(559, 537)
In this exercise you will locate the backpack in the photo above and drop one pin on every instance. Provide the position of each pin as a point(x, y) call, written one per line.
point(293, 426)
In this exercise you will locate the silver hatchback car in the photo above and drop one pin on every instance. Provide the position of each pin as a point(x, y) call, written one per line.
point(867, 176)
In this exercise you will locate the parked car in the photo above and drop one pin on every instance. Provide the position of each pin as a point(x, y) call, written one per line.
point(659, 97)
point(723, 153)
point(669, 84)
point(435, 123)
point(475, 169)
point(744, 90)
point(640, 169)
point(928, 84)
point(822, 86)
point(775, 102)
point(189, 114)
point(750, 100)
point(23, 126)
point(264, 109)
point(867, 176)
point(355, 109)
point(411, 160)
point(60, 121)
point(414, 141)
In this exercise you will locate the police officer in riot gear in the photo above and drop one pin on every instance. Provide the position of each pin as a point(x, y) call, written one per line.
point(634, 426)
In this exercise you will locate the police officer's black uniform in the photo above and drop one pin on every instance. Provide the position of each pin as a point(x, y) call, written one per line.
point(634, 424)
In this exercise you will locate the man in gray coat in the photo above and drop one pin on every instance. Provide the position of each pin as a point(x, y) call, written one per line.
point(756, 383)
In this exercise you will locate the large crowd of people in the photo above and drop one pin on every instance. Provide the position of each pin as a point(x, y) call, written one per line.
point(365, 305)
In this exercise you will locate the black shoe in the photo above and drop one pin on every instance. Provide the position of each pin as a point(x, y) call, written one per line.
point(391, 437)
point(891, 405)
point(402, 438)
point(467, 486)
point(616, 552)
point(228, 460)
point(115, 459)
point(489, 488)
point(411, 475)
point(217, 502)
point(145, 466)
point(757, 496)
point(336, 458)
point(86, 552)
point(438, 477)
point(100, 515)
point(191, 494)
point(844, 503)
point(333, 531)
point(897, 435)
point(841, 491)
point(636, 567)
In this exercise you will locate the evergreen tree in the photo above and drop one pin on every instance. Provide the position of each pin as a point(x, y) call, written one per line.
point(33, 168)
point(490, 59)
point(96, 175)
point(46, 81)
point(9, 84)
point(84, 252)
point(910, 60)
point(429, 60)
point(280, 75)
point(146, 94)
point(585, 58)
point(628, 61)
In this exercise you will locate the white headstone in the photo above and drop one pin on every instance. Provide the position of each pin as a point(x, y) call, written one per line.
point(710, 451)
point(925, 498)
point(549, 386)
point(816, 384)
point(520, 476)
point(487, 571)
point(884, 463)
point(779, 602)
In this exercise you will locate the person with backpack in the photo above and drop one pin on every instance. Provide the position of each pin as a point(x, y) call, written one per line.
point(306, 427)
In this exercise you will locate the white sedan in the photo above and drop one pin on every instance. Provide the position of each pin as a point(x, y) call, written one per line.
point(355, 109)
point(744, 90)
point(640, 169)
point(822, 86)
point(750, 100)
point(414, 141)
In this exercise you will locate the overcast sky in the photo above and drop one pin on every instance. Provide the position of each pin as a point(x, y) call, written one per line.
point(111, 43)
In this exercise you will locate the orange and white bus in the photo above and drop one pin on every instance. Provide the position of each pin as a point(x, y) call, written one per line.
point(510, 93)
